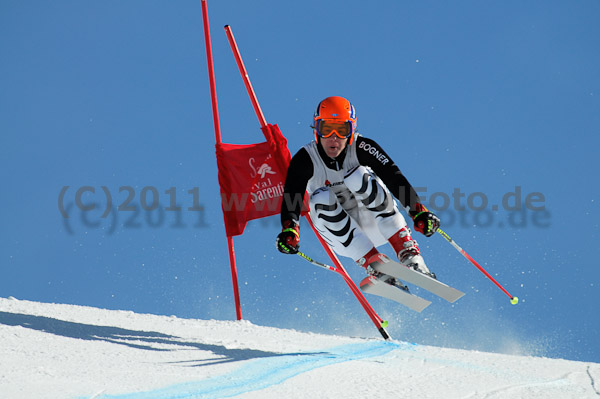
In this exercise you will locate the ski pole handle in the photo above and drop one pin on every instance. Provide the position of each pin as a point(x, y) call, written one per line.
point(513, 299)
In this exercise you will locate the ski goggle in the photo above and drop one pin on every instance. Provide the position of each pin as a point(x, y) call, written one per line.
point(326, 129)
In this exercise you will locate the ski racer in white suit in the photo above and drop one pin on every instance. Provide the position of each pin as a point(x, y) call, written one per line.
point(350, 181)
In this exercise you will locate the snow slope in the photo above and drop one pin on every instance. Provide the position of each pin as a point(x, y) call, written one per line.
point(66, 351)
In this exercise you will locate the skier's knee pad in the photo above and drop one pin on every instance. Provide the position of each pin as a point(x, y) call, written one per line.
point(334, 224)
point(327, 210)
point(354, 179)
point(370, 190)
point(376, 198)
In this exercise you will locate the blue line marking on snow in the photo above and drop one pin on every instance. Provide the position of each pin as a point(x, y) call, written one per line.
point(264, 372)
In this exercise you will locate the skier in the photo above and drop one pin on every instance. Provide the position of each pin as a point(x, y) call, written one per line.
point(350, 181)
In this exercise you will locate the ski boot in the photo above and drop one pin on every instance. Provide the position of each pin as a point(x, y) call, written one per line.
point(363, 262)
point(408, 251)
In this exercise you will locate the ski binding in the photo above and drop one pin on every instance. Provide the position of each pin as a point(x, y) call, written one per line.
point(383, 264)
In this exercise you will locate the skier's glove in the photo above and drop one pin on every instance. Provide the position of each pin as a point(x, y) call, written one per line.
point(425, 222)
point(288, 239)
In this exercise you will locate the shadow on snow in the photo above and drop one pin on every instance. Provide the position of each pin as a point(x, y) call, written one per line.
point(144, 340)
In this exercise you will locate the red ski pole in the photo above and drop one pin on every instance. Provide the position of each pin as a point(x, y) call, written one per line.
point(513, 299)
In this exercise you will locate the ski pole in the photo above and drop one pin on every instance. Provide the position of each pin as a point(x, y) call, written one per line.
point(314, 262)
point(513, 299)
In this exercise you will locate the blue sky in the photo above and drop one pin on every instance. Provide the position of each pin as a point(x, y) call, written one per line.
point(487, 98)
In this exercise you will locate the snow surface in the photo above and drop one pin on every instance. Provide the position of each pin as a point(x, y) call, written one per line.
point(67, 351)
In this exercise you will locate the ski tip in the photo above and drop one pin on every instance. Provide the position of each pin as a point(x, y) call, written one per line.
point(514, 300)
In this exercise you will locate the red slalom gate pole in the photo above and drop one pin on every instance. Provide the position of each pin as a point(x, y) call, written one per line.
point(215, 109)
point(245, 77)
point(378, 321)
point(513, 299)
point(211, 73)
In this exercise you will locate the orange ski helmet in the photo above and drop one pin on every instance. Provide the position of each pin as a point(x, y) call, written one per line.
point(337, 110)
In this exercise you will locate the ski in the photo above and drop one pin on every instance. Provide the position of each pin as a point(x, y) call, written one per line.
point(372, 285)
point(384, 264)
